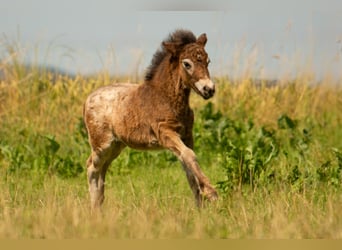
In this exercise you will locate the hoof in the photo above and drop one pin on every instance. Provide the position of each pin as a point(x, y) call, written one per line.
point(212, 196)
point(209, 194)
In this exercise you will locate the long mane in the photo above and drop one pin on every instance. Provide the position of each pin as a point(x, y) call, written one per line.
point(181, 37)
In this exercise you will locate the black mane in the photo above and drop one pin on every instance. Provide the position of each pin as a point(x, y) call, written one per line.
point(182, 37)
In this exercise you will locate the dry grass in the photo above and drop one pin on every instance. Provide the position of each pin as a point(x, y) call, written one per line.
point(60, 210)
point(154, 201)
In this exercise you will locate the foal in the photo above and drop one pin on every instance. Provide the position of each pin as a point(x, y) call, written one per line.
point(152, 115)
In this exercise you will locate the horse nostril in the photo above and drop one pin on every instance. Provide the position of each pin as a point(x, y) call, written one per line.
point(210, 91)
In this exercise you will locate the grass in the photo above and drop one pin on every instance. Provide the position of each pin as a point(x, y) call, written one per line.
point(59, 209)
point(274, 153)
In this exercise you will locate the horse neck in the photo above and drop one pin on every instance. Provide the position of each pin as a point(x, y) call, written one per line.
point(170, 84)
point(166, 86)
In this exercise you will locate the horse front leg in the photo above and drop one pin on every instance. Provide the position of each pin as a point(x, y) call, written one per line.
point(199, 183)
point(192, 180)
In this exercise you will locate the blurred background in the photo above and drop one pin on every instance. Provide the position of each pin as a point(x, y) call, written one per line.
point(262, 39)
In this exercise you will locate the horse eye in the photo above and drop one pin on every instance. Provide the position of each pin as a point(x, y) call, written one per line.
point(187, 65)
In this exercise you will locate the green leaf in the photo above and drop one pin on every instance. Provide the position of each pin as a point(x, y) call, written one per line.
point(285, 122)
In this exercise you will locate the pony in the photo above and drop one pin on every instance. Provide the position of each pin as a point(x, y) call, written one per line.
point(152, 115)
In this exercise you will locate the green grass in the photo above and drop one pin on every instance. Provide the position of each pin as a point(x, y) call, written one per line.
point(274, 154)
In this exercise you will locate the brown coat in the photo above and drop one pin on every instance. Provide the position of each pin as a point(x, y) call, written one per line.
point(152, 115)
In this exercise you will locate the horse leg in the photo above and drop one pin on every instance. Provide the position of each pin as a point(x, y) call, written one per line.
point(198, 182)
point(192, 180)
point(194, 185)
point(97, 166)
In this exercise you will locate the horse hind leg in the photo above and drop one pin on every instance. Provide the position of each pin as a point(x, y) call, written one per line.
point(97, 165)
point(95, 168)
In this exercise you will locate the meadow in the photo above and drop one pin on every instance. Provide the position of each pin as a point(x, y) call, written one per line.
point(274, 153)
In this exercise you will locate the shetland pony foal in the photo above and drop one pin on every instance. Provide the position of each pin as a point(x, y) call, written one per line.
point(152, 115)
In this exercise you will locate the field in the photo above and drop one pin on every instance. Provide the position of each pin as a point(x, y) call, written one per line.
point(273, 152)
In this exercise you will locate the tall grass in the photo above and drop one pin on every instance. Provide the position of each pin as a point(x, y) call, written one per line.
point(274, 152)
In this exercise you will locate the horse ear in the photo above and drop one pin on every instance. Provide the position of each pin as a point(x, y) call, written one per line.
point(202, 39)
point(171, 47)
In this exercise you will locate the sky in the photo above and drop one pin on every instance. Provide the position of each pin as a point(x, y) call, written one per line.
point(265, 38)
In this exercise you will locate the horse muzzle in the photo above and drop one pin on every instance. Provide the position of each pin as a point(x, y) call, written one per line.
point(205, 88)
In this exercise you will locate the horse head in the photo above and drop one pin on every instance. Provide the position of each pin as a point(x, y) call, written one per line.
point(193, 64)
